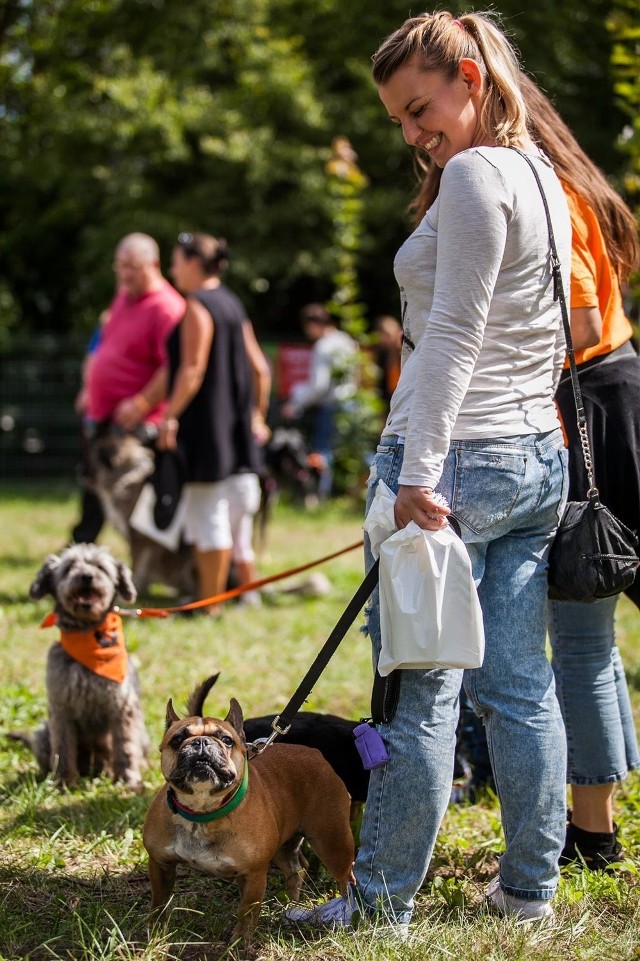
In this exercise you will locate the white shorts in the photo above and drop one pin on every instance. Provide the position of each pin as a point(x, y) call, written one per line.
point(219, 516)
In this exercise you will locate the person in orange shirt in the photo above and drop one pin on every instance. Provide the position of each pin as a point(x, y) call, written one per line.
point(590, 677)
point(589, 673)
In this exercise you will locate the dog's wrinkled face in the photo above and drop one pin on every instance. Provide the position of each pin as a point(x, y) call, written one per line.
point(84, 580)
point(203, 757)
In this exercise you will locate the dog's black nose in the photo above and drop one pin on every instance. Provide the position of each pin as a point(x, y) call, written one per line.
point(199, 744)
point(86, 580)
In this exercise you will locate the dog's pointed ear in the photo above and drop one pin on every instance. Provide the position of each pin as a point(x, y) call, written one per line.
point(171, 716)
point(195, 704)
point(235, 717)
point(43, 582)
point(125, 586)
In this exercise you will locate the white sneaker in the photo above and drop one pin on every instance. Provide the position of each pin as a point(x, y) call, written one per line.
point(345, 913)
point(389, 930)
point(521, 908)
point(341, 913)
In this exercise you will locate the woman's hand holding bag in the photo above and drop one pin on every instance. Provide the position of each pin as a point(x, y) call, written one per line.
point(430, 615)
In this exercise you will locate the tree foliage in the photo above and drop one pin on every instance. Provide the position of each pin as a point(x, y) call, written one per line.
point(155, 115)
point(624, 24)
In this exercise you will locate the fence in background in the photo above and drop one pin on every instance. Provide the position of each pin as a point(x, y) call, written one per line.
point(39, 380)
point(39, 430)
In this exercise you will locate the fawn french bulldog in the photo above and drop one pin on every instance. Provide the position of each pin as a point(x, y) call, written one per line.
point(230, 816)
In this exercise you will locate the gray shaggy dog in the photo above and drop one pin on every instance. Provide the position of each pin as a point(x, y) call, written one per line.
point(95, 723)
point(122, 464)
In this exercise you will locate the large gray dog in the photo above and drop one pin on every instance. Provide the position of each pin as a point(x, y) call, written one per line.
point(122, 464)
point(95, 722)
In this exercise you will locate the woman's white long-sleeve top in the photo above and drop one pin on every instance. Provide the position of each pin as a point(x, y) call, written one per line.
point(484, 345)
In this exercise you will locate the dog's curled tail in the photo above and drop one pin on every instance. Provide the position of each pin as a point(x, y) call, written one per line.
point(195, 704)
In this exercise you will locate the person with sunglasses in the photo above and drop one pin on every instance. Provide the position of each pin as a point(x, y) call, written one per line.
point(219, 383)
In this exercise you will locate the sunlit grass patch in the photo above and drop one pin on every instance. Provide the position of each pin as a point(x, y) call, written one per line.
point(73, 881)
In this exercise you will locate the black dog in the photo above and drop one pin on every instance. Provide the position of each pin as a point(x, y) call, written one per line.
point(330, 734)
point(333, 737)
point(289, 466)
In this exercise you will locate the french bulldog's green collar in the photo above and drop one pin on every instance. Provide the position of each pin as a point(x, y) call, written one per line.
point(221, 812)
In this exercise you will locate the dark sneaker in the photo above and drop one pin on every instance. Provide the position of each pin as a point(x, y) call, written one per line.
point(595, 850)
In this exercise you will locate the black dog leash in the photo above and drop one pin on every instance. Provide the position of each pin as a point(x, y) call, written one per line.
point(282, 722)
point(386, 690)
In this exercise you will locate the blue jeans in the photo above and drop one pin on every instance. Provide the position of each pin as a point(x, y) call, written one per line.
point(323, 440)
point(508, 496)
point(592, 690)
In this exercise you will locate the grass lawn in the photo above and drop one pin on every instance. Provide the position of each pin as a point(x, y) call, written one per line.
point(73, 880)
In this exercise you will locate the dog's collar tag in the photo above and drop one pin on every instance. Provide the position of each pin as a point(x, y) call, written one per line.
point(221, 812)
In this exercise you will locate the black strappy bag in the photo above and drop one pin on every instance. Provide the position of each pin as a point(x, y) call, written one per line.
point(594, 554)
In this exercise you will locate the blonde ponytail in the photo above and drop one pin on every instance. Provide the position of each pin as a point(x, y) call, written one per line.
point(439, 41)
point(504, 114)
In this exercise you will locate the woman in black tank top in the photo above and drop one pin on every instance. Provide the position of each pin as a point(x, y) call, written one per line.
point(212, 409)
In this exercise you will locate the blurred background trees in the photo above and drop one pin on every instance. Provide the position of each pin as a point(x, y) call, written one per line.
point(218, 115)
point(624, 25)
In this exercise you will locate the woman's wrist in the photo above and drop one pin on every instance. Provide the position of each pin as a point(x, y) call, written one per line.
point(170, 423)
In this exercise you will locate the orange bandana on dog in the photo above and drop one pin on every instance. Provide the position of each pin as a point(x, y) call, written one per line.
point(100, 649)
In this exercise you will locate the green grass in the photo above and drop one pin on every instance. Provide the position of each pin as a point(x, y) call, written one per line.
point(73, 881)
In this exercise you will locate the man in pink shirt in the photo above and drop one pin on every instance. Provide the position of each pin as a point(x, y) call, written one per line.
point(124, 380)
point(126, 377)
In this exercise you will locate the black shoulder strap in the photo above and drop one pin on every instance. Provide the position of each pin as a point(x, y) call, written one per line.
point(558, 294)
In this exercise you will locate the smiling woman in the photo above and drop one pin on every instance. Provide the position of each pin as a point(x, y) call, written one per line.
point(438, 114)
point(441, 49)
point(472, 419)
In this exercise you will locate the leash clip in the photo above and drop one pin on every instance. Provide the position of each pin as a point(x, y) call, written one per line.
point(256, 747)
point(261, 743)
point(128, 611)
point(277, 730)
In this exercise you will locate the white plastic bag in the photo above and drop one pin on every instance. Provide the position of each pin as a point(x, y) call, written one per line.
point(380, 521)
point(430, 615)
point(142, 520)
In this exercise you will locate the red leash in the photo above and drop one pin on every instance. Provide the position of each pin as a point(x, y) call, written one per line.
point(218, 598)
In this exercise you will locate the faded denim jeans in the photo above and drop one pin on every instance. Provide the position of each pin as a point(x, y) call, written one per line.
point(592, 690)
point(508, 495)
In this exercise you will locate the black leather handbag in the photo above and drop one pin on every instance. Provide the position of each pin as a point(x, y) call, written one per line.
point(593, 554)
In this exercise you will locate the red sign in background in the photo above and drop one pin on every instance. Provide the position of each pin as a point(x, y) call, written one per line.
point(291, 367)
